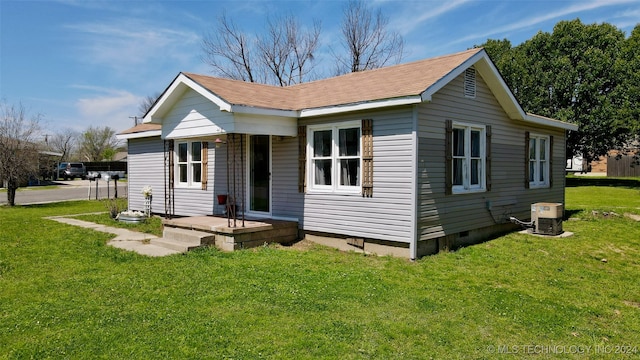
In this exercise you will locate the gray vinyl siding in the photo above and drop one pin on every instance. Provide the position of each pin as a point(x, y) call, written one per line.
point(145, 164)
point(146, 167)
point(219, 181)
point(193, 118)
point(388, 214)
point(440, 214)
point(287, 202)
point(193, 201)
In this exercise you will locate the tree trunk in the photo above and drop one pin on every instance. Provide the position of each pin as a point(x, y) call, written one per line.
point(11, 192)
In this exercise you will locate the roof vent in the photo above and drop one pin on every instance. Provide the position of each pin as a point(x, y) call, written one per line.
point(470, 83)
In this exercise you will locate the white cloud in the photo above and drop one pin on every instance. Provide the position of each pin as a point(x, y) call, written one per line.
point(524, 23)
point(628, 19)
point(111, 108)
point(127, 43)
point(423, 11)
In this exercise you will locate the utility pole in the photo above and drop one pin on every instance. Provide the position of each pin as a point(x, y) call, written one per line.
point(135, 120)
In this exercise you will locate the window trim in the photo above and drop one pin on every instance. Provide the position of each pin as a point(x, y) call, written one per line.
point(190, 162)
point(537, 184)
point(466, 187)
point(335, 158)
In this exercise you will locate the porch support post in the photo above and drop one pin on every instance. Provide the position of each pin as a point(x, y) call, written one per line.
point(242, 170)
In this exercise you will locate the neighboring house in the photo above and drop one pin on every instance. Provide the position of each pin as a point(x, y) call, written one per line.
point(120, 156)
point(407, 159)
point(46, 164)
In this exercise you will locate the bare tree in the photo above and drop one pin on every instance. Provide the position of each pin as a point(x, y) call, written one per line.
point(229, 51)
point(63, 142)
point(18, 147)
point(274, 52)
point(286, 50)
point(303, 45)
point(368, 44)
point(282, 56)
point(98, 143)
point(147, 103)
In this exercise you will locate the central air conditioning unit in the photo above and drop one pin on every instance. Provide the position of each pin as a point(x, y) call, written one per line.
point(547, 218)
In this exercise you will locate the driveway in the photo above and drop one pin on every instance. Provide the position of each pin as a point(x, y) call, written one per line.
point(66, 190)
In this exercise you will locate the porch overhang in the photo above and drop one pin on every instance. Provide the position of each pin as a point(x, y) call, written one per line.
point(232, 124)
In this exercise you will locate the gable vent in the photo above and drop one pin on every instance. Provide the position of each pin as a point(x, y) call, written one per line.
point(470, 83)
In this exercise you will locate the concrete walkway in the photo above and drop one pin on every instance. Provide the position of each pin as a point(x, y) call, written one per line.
point(125, 239)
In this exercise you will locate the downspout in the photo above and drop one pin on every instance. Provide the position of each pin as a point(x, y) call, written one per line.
point(413, 245)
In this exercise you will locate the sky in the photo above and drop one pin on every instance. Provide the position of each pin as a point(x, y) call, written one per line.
point(91, 63)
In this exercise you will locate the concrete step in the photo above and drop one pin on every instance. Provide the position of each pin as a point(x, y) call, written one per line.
point(177, 245)
point(144, 249)
point(188, 236)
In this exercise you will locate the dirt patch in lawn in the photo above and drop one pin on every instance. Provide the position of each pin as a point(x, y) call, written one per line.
point(302, 245)
point(632, 303)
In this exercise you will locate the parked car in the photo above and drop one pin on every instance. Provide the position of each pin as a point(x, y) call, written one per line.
point(72, 170)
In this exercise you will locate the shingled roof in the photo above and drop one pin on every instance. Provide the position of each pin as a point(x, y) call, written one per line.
point(140, 130)
point(410, 79)
point(403, 84)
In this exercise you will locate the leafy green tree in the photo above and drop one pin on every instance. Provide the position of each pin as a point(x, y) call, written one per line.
point(571, 75)
point(509, 62)
point(95, 142)
point(628, 93)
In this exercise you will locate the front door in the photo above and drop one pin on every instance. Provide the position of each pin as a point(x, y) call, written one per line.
point(259, 174)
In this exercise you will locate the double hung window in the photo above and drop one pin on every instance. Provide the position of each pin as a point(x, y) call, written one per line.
point(468, 158)
point(335, 157)
point(538, 161)
point(189, 163)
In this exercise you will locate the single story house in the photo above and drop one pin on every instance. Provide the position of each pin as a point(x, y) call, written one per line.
point(405, 160)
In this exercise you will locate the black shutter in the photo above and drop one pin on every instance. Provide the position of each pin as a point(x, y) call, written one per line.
point(550, 161)
point(302, 159)
point(205, 164)
point(367, 158)
point(526, 159)
point(488, 160)
point(448, 161)
point(169, 179)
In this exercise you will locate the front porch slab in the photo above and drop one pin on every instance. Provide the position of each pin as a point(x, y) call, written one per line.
point(229, 238)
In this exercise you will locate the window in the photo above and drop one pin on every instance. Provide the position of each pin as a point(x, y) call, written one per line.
point(468, 162)
point(538, 161)
point(335, 157)
point(189, 163)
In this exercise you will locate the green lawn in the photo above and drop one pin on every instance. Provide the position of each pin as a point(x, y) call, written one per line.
point(64, 294)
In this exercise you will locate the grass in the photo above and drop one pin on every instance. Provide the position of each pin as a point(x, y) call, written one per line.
point(152, 225)
point(64, 294)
